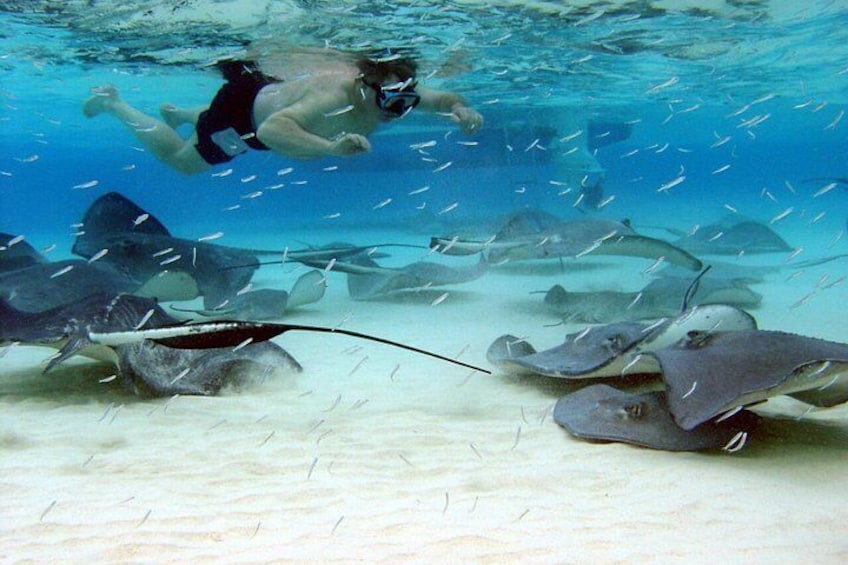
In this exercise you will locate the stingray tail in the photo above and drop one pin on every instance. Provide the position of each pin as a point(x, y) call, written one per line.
point(236, 334)
point(693, 288)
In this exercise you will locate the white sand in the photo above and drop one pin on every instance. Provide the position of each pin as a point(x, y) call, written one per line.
point(434, 467)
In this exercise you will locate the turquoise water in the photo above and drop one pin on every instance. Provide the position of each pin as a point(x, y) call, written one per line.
point(683, 79)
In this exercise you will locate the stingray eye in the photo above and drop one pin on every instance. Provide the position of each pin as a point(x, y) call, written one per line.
point(615, 342)
point(633, 411)
point(695, 339)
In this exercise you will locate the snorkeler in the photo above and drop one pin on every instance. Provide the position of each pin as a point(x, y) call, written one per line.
point(325, 114)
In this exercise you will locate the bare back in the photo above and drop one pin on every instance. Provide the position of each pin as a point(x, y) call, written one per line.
point(325, 104)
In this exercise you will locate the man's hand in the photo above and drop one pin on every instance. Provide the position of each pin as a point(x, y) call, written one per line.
point(351, 144)
point(469, 120)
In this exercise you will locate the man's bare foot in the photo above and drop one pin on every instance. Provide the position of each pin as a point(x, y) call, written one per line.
point(173, 116)
point(102, 99)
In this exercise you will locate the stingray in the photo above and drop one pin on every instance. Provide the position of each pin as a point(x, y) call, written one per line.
point(144, 367)
point(147, 344)
point(660, 297)
point(139, 243)
point(136, 242)
point(238, 333)
point(734, 235)
point(710, 373)
point(615, 349)
point(537, 235)
point(367, 280)
point(819, 261)
point(16, 253)
point(32, 283)
point(41, 286)
point(602, 413)
point(267, 303)
point(728, 271)
point(148, 368)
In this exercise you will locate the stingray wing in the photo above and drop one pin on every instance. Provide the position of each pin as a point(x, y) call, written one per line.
point(111, 214)
point(709, 373)
point(602, 413)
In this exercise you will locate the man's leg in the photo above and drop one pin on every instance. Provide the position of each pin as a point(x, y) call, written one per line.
point(161, 139)
point(175, 116)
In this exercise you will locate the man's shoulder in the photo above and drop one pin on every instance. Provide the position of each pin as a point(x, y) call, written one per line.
point(332, 79)
point(330, 86)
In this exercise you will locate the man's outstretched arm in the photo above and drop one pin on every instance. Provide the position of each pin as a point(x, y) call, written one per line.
point(441, 102)
point(284, 135)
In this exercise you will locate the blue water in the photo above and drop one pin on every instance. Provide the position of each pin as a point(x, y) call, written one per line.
point(523, 69)
point(740, 109)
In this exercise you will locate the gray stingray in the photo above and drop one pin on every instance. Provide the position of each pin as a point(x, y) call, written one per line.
point(367, 280)
point(819, 261)
point(267, 303)
point(150, 369)
point(733, 235)
point(139, 244)
point(602, 413)
point(44, 285)
point(536, 235)
point(144, 367)
point(660, 297)
point(615, 349)
point(16, 253)
point(709, 373)
point(729, 271)
point(117, 329)
point(29, 282)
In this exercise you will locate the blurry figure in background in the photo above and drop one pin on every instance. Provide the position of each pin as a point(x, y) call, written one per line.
point(328, 112)
point(583, 173)
point(577, 166)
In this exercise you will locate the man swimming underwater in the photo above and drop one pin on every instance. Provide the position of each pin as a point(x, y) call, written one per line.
point(328, 113)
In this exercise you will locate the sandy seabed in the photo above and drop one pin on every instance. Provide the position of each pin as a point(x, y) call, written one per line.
point(376, 455)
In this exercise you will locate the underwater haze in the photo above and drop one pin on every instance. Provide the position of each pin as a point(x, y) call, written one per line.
point(743, 99)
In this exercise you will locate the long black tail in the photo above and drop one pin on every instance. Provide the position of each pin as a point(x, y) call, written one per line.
point(232, 334)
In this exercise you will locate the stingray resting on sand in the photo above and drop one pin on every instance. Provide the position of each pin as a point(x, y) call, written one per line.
point(710, 373)
point(367, 280)
point(612, 350)
point(660, 297)
point(532, 234)
point(156, 354)
point(733, 235)
point(709, 377)
point(602, 413)
point(145, 367)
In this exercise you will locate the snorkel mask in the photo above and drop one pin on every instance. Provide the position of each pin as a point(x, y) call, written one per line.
point(397, 99)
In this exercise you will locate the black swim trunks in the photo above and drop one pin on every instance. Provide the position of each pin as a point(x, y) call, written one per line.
point(226, 129)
